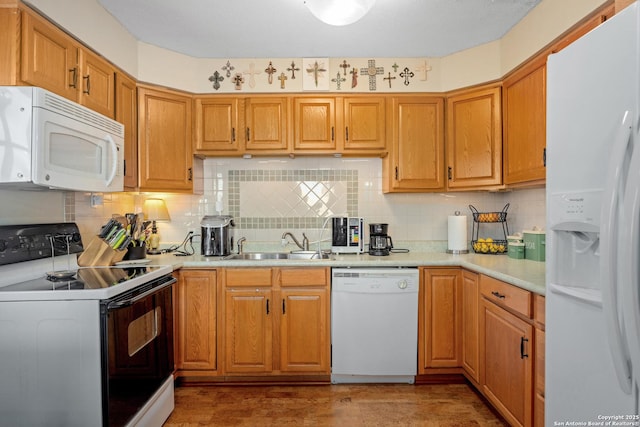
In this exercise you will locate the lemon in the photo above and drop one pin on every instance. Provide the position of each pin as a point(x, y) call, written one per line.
point(488, 240)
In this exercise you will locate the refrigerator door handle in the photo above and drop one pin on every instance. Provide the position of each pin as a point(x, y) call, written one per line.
point(609, 233)
point(631, 270)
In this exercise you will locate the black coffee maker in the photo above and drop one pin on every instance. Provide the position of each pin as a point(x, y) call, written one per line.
point(380, 243)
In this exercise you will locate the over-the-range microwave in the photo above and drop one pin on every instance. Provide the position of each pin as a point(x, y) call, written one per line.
point(48, 141)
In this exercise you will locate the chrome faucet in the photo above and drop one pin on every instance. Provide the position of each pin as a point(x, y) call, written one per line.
point(240, 242)
point(305, 241)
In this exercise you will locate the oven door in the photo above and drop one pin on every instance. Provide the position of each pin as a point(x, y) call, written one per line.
point(137, 355)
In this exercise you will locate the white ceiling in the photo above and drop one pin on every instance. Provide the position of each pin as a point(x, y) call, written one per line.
point(286, 28)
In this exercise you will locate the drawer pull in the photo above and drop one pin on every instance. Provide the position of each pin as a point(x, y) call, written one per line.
point(522, 353)
point(498, 295)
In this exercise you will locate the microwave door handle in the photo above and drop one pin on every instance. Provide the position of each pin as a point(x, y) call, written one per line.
point(114, 155)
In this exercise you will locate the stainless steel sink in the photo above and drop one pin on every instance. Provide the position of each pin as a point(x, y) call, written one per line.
point(256, 256)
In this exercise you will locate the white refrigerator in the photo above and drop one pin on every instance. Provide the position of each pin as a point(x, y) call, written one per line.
point(592, 364)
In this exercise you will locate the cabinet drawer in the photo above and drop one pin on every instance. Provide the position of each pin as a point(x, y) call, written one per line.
point(303, 277)
point(252, 277)
point(507, 295)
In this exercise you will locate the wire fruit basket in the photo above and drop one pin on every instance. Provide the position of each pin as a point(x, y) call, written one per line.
point(489, 245)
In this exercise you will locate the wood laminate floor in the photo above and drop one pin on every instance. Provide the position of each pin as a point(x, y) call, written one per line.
point(331, 405)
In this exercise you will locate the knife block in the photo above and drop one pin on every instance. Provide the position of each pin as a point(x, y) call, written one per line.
point(99, 253)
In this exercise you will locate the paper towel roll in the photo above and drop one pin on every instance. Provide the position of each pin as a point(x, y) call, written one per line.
point(457, 234)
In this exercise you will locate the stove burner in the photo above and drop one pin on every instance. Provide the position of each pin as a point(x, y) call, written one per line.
point(55, 276)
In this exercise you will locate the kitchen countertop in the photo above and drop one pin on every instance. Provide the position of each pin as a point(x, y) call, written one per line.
point(525, 274)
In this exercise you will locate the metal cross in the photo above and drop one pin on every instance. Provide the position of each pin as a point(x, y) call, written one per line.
point(338, 80)
point(270, 70)
point(395, 67)
point(317, 71)
point(406, 74)
point(344, 66)
point(372, 71)
point(293, 70)
point(237, 81)
point(354, 77)
point(282, 78)
point(216, 78)
point(423, 68)
point(251, 72)
point(389, 78)
point(228, 68)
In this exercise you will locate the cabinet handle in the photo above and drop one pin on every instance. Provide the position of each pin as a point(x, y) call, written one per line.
point(87, 78)
point(522, 353)
point(190, 170)
point(74, 78)
point(233, 134)
point(267, 305)
point(449, 173)
point(332, 133)
point(124, 168)
point(248, 134)
point(347, 133)
point(544, 157)
point(284, 307)
point(396, 173)
point(498, 295)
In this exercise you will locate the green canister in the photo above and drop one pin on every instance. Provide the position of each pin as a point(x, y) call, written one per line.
point(515, 250)
point(534, 244)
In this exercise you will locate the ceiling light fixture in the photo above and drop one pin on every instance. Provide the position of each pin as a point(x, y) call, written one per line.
point(339, 12)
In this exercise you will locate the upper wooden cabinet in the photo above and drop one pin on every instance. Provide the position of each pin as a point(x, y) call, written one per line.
point(416, 155)
point(267, 125)
point(524, 115)
point(474, 138)
point(364, 124)
point(165, 160)
point(314, 124)
point(127, 114)
point(53, 60)
point(219, 125)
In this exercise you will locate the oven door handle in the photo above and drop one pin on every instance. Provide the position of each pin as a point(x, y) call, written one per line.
point(114, 305)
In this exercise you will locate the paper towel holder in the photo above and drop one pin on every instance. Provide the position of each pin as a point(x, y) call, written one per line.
point(458, 251)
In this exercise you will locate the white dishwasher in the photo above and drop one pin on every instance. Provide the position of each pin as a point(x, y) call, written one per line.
point(374, 325)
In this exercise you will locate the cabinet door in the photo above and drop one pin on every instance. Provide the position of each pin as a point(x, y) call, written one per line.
point(164, 141)
point(440, 327)
point(314, 124)
point(49, 57)
point(266, 124)
point(127, 114)
point(197, 321)
point(525, 124)
point(416, 158)
point(304, 331)
point(538, 403)
point(507, 344)
point(218, 127)
point(474, 139)
point(10, 46)
point(364, 124)
point(248, 330)
point(470, 324)
point(97, 83)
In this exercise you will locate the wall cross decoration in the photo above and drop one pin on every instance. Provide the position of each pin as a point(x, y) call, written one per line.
point(344, 66)
point(282, 78)
point(237, 81)
point(395, 67)
point(338, 80)
point(423, 68)
point(270, 70)
point(406, 74)
point(216, 78)
point(354, 77)
point(293, 70)
point(316, 70)
point(390, 78)
point(372, 71)
point(251, 72)
point(228, 68)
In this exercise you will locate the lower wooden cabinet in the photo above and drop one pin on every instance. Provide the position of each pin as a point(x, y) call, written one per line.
point(196, 323)
point(440, 316)
point(507, 351)
point(470, 324)
point(277, 321)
